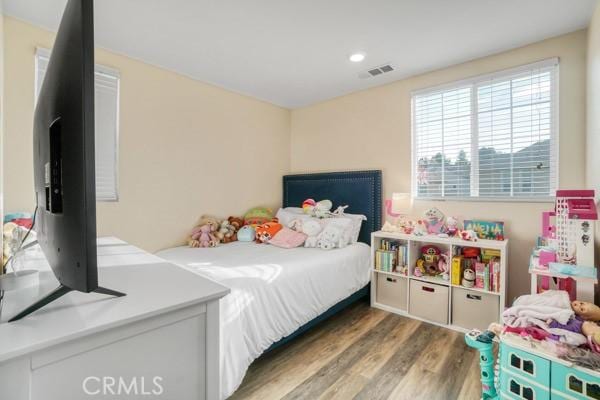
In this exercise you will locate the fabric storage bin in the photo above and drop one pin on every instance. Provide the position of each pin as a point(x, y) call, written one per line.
point(521, 363)
point(472, 309)
point(392, 290)
point(573, 383)
point(429, 301)
point(515, 387)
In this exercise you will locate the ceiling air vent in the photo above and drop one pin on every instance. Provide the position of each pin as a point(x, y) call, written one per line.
point(382, 69)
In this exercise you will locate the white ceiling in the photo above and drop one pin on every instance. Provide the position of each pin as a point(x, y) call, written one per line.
point(295, 53)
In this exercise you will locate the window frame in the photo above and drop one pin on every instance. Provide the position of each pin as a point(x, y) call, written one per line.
point(473, 83)
point(98, 69)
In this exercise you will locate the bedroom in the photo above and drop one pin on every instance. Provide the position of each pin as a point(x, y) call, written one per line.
point(218, 108)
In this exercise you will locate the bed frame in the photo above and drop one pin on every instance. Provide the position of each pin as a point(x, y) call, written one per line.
point(361, 191)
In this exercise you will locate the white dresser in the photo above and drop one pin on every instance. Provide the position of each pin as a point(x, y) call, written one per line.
point(160, 341)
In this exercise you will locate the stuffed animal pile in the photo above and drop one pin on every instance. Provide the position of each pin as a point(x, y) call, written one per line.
point(260, 226)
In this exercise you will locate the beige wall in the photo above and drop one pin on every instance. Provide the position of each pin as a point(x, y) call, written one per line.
point(593, 118)
point(371, 129)
point(186, 148)
point(593, 102)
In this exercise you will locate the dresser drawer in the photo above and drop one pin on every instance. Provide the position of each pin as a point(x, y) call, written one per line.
point(429, 301)
point(574, 383)
point(515, 387)
point(392, 290)
point(527, 365)
point(472, 309)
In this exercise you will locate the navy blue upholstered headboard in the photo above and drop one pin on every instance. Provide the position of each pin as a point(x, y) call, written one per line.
point(360, 190)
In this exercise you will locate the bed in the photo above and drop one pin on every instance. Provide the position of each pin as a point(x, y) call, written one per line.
point(276, 294)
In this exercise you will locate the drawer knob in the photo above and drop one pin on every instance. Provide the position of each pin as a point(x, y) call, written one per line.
point(428, 289)
point(391, 279)
point(473, 297)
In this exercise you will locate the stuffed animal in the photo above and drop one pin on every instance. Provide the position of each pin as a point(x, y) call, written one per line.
point(434, 220)
point(420, 228)
point(246, 233)
point(585, 310)
point(331, 237)
point(444, 266)
point(203, 235)
point(468, 279)
point(429, 261)
point(319, 209)
point(228, 230)
point(451, 226)
point(258, 215)
point(311, 228)
point(469, 235)
point(267, 231)
point(296, 225)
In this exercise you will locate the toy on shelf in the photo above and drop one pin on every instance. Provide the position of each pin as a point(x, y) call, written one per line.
point(435, 221)
point(565, 252)
point(491, 230)
point(432, 262)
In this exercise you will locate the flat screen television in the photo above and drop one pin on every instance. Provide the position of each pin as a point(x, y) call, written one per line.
point(63, 157)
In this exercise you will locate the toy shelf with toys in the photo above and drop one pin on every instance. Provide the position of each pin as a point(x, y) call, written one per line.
point(422, 283)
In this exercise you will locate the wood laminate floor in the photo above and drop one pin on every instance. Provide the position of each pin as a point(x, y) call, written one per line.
point(366, 353)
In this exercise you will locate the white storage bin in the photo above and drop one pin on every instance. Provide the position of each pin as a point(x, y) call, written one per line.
point(474, 309)
point(392, 291)
point(429, 301)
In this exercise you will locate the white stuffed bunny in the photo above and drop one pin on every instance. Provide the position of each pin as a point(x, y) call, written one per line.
point(332, 237)
point(311, 228)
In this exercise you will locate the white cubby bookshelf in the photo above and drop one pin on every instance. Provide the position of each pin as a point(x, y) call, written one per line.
point(434, 299)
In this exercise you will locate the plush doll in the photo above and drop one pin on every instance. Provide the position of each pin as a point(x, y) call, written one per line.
point(203, 235)
point(311, 228)
point(258, 215)
point(267, 231)
point(469, 235)
point(434, 220)
point(319, 209)
point(246, 234)
point(420, 228)
point(451, 226)
point(587, 311)
point(444, 266)
point(331, 237)
point(225, 231)
point(468, 279)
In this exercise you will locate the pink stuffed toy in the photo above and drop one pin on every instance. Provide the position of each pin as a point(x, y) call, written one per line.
point(203, 235)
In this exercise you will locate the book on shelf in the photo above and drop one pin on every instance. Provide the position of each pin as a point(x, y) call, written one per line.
point(486, 267)
point(391, 256)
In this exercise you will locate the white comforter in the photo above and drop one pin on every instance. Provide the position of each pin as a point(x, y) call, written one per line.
point(273, 292)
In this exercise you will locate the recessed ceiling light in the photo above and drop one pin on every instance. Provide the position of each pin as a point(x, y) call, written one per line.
point(357, 57)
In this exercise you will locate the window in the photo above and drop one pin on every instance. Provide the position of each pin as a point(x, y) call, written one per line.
point(490, 137)
point(106, 123)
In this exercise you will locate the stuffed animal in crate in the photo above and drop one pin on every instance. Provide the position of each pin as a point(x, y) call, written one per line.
point(311, 228)
point(204, 234)
point(267, 231)
point(428, 263)
point(468, 279)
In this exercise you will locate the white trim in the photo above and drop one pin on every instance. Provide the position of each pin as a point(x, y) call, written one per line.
point(555, 61)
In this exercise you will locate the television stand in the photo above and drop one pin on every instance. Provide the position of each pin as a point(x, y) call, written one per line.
point(55, 294)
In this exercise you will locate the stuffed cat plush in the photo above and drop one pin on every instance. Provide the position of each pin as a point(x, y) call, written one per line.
point(311, 228)
point(332, 237)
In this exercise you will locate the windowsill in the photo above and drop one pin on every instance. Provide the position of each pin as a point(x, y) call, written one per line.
point(491, 199)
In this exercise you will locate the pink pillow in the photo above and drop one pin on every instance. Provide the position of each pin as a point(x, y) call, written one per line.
point(288, 238)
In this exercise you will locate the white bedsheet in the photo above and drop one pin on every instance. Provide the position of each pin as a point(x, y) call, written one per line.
point(274, 291)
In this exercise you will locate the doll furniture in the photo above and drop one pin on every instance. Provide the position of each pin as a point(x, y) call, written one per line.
point(526, 370)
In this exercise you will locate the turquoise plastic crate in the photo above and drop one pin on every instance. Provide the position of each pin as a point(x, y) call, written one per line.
point(574, 383)
point(527, 365)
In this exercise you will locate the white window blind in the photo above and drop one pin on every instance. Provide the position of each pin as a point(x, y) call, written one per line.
point(491, 137)
point(106, 124)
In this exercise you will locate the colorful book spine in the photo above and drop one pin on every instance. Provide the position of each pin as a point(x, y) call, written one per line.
point(479, 275)
point(457, 269)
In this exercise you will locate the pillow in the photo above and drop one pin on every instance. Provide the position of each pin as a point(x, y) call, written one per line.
point(357, 220)
point(288, 214)
point(287, 238)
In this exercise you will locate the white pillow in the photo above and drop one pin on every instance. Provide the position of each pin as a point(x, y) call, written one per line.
point(357, 220)
point(288, 214)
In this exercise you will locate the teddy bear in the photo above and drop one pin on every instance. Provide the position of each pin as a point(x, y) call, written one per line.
point(331, 237)
point(311, 228)
point(267, 231)
point(203, 235)
point(228, 228)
